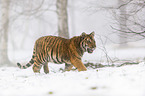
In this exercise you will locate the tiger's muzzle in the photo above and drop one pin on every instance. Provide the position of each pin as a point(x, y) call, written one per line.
point(90, 50)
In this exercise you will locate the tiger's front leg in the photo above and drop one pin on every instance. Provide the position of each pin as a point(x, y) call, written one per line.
point(68, 67)
point(78, 64)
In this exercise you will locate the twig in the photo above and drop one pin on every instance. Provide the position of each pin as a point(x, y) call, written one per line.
point(104, 49)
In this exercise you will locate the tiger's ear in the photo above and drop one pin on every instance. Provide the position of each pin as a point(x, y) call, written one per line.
point(83, 34)
point(92, 34)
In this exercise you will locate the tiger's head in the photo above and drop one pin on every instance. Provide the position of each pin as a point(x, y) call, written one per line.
point(88, 42)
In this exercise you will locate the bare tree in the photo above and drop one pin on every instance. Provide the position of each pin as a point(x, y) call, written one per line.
point(62, 18)
point(132, 21)
point(129, 16)
point(7, 20)
point(4, 60)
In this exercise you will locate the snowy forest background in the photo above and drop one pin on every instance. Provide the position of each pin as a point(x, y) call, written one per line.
point(117, 23)
point(119, 27)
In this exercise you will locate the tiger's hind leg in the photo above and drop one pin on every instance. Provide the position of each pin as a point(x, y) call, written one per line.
point(36, 67)
point(45, 67)
point(68, 67)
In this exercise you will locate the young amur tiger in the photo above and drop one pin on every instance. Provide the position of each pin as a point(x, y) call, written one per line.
point(60, 50)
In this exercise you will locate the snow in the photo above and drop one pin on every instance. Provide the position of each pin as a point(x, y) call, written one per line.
point(109, 81)
point(127, 80)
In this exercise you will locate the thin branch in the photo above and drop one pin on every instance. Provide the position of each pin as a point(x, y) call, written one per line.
point(137, 33)
point(104, 49)
point(108, 7)
point(34, 11)
point(124, 4)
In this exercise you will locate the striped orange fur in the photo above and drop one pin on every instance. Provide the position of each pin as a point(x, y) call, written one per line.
point(60, 50)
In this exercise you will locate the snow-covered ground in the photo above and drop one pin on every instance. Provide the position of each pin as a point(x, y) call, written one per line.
point(110, 81)
point(128, 80)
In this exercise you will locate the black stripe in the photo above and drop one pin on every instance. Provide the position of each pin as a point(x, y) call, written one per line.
point(44, 52)
point(58, 48)
point(52, 39)
point(34, 52)
point(52, 50)
point(19, 65)
point(40, 56)
point(80, 52)
point(33, 56)
point(52, 56)
point(76, 56)
point(32, 61)
point(62, 60)
point(46, 38)
point(43, 57)
point(83, 46)
point(24, 67)
point(62, 44)
point(37, 60)
point(36, 66)
point(28, 65)
point(49, 40)
point(47, 58)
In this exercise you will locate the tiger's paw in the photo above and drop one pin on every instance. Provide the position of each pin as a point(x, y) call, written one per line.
point(84, 69)
point(46, 72)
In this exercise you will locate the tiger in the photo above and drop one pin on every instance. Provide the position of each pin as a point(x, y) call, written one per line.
point(60, 50)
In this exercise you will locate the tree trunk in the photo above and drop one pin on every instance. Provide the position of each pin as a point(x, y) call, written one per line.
point(72, 17)
point(4, 33)
point(62, 18)
point(122, 25)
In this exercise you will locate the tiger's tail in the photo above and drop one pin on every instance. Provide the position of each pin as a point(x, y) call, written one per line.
point(30, 62)
point(27, 65)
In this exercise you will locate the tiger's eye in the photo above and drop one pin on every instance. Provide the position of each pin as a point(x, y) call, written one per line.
point(89, 40)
